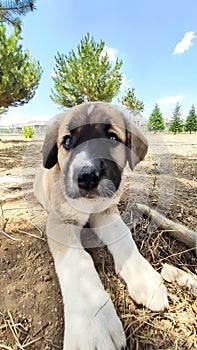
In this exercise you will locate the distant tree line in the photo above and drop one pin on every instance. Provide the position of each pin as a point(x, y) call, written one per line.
point(156, 121)
point(86, 74)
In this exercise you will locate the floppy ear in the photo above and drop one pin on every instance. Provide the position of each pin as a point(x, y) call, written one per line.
point(50, 146)
point(137, 146)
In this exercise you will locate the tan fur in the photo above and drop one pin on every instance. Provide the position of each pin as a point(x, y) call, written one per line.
point(47, 186)
point(91, 321)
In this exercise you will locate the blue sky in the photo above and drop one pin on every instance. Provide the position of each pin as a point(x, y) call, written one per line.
point(155, 38)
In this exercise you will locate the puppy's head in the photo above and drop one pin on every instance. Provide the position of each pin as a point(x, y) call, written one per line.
point(90, 145)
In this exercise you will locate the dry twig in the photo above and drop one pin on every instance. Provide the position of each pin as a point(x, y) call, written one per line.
point(178, 231)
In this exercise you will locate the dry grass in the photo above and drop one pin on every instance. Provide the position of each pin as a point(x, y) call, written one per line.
point(18, 333)
point(172, 329)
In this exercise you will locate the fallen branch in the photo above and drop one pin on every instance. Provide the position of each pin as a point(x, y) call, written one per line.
point(172, 274)
point(178, 231)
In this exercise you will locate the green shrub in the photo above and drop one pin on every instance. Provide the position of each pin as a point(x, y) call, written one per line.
point(28, 132)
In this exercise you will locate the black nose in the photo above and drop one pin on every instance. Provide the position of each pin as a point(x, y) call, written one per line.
point(89, 178)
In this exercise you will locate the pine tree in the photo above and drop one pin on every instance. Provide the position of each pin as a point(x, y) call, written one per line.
point(19, 73)
point(191, 121)
point(87, 75)
point(131, 102)
point(176, 124)
point(12, 11)
point(156, 121)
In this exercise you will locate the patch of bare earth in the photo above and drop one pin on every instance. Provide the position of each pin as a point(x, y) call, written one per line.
point(31, 310)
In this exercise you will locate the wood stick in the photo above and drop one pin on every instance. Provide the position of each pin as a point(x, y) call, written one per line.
point(172, 274)
point(178, 231)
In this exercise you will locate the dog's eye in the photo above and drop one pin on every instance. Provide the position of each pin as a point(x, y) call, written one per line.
point(112, 136)
point(67, 142)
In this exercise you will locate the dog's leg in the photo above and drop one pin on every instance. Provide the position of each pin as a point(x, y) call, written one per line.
point(144, 283)
point(91, 321)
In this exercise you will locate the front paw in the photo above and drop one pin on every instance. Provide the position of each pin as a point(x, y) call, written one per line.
point(145, 285)
point(97, 328)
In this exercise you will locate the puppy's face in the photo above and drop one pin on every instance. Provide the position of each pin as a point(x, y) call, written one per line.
point(90, 161)
point(91, 144)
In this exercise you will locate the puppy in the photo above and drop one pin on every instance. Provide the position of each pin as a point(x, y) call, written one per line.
point(85, 152)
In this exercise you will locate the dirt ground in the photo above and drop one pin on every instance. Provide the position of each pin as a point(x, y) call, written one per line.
point(31, 310)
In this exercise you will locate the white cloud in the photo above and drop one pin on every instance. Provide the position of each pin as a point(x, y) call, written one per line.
point(185, 43)
point(168, 101)
point(53, 73)
point(112, 53)
point(125, 83)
